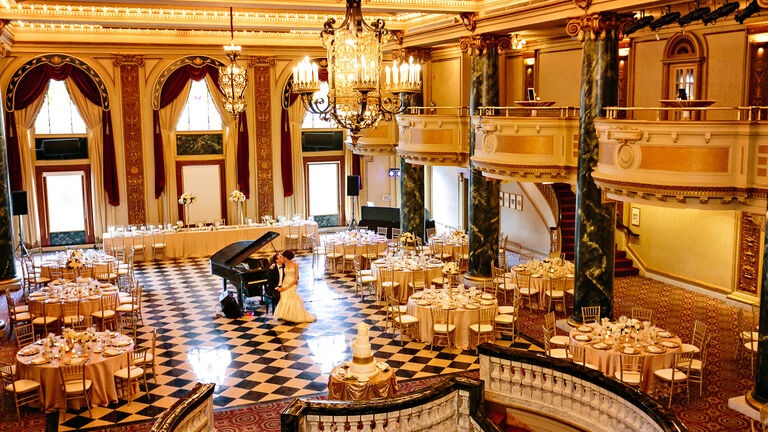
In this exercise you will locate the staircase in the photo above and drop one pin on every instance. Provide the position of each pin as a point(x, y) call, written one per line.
point(566, 203)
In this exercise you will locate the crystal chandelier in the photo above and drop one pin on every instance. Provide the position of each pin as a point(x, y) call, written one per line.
point(232, 78)
point(357, 97)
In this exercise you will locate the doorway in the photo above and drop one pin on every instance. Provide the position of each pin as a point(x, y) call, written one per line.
point(205, 180)
point(324, 194)
point(64, 197)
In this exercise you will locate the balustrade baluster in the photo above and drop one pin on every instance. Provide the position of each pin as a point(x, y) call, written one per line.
point(379, 420)
point(517, 378)
point(495, 374)
point(506, 376)
point(367, 420)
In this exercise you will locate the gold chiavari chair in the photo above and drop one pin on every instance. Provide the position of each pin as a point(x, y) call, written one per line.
point(401, 321)
point(331, 256)
point(461, 256)
point(24, 335)
point(506, 323)
point(748, 336)
point(642, 314)
point(382, 231)
point(132, 373)
point(16, 314)
point(555, 293)
point(527, 291)
point(138, 246)
point(362, 282)
point(418, 280)
point(484, 328)
point(696, 374)
point(107, 314)
point(371, 254)
point(350, 252)
point(129, 326)
point(504, 284)
point(74, 385)
point(32, 280)
point(109, 273)
point(131, 305)
point(578, 355)
point(388, 283)
point(550, 323)
point(25, 391)
point(630, 369)
point(150, 358)
point(590, 314)
point(558, 353)
point(441, 326)
point(293, 240)
point(70, 313)
point(85, 324)
point(38, 310)
point(158, 243)
point(697, 339)
point(678, 375)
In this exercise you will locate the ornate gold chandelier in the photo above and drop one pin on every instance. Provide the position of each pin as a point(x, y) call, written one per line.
point(357, 96)
point(233, 79)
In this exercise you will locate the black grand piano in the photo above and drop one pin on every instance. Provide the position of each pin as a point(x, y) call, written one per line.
point(234, 264)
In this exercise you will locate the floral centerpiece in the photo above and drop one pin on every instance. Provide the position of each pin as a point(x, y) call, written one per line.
point(268, 220)
point(407, 239)
point(75, 260)
point(187, 198)
point(238, 198)
point(626, 326)
point(451, 268)
point(458, 237)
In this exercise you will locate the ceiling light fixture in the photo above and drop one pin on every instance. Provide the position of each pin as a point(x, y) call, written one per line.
point(233, 79)
point(721, 12)
point(357, 97)
point(641, 23)
point(663, 20)
point(751, 9)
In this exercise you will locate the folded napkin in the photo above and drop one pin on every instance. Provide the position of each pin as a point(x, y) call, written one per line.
point(38, 361)
point(123, 342)
point(76, 360)
point(629, 350)
point(601, 345)
point(112, 352)
point(654, 349)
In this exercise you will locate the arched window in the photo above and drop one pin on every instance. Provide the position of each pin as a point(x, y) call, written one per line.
point(683, 58)
point(200, 112)
point(313, 121)
point(58, 114)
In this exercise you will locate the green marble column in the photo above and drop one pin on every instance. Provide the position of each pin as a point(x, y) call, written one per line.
point(595, 220)
point(7, 262)
point(759, 395)
point(484, 193)
point(412, 198)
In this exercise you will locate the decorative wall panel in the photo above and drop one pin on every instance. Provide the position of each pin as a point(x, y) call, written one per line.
point(264, 173)
point(749, 252)
point(134, 157)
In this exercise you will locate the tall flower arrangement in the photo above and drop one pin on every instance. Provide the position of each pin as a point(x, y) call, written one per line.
point(238, 198)
point(186, 199)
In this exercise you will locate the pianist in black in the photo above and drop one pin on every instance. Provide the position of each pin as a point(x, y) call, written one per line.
point(273, 282)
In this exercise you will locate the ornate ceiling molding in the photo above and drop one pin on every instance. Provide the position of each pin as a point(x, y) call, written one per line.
point(120, 60)
point(703, 194)
point(598, 25)
point(501, 43)
point(262, 60)
point(55, 60)
point(418, 54)
point(558, 173)
point(196, 61)
point(469, 20)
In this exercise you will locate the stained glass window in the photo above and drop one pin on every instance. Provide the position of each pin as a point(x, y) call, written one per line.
point(200, 113)
point(58, 115)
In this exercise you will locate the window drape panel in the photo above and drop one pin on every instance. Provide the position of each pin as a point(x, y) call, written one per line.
point(243, 155)
point(293, 159)
point(31, 86)
point(286, 170)
point(176, 83)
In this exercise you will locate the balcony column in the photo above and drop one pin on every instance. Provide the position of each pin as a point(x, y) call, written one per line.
point(411, 175)
point(759, 395)
point(595, 219)
point(7, 261)
point(484, 193)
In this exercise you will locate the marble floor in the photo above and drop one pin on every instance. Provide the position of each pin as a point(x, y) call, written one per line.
point(257, 359)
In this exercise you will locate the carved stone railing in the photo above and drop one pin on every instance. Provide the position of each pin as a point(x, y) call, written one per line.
point(379, 141)
point(192, 413)
point(527, 144)
point(716, 164)
point(434, 136)
point(455, 404)
point(569, 392)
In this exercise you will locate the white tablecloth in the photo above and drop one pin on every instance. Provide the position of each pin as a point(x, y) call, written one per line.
point(403, 277)
point(461, 318)
point(203, 242)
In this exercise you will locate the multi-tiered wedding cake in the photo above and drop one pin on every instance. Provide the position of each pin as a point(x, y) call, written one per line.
point(362, 364)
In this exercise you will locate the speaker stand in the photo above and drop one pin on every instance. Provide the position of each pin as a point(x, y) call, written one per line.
point(21, 248)
point(353, 222)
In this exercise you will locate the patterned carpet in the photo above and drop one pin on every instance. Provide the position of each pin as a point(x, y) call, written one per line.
point(267, 363)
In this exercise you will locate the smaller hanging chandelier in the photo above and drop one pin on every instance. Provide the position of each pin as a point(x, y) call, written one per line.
point(517, 42)
point(233, 79)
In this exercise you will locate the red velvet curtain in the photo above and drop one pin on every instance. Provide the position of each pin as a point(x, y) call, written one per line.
point(286, 167)
point(30, 87)
point(172, 87)
point(356, 168)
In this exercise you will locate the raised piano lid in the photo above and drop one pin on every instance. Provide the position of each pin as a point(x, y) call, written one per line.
point(237, 252)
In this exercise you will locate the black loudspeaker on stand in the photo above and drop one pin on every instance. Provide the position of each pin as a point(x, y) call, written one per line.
point(19, 208)
point(229, 306)
point(353, 190)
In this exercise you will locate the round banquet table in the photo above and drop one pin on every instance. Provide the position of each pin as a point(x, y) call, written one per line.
point(360, 248)
point(403, 276)
point(99, 369)
point(608, 360)
point(462, 318)
point(88, 305)
point(542, 282)
point(381, 385)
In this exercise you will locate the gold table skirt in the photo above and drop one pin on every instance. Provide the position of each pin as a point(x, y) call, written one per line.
point(381, 385)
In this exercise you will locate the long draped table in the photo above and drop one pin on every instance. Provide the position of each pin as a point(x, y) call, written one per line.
point(205, 242)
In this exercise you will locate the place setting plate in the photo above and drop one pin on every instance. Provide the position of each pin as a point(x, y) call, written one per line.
point(422, 303)
point(582, 338)
point(670, 344)
point(28, 351)
point(630, 350)
point(37, 361)
point(664, 334)
point(122, 342)
point(653, 349)
point(585, 329)
point(417, 295)
point(111, 352)
point(601, 346)
point(487, 302)
point(471, 306)
point(487, 296)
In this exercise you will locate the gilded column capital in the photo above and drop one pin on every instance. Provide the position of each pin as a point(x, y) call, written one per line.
point(261, 60)
point(121, 59)
point(420, 54)
point(482, 43)
point(598, 24)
